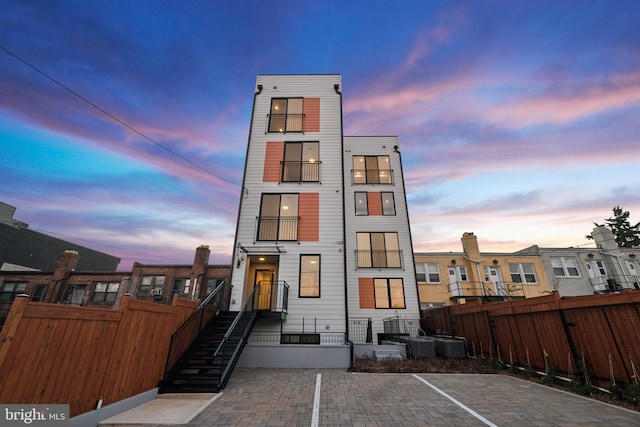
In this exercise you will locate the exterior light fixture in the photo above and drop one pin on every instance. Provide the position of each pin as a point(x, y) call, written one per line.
point(632, 255)
point(590, 255)
point(495, 262)
point(453, 261)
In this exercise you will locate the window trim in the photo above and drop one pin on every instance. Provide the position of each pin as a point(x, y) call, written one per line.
point(291, 222)
point(305, 168)
point(103, 295)
point(371, 175)
point(366, 202)
point(522, 273)
point(393, 203)
point(564, 266)
point(13, 293)
point(388, 293)
point(319, 276)
point(152, 285)
point(275, 119)
point(370, 258)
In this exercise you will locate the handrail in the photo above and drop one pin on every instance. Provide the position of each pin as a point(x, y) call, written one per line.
point(186, 333)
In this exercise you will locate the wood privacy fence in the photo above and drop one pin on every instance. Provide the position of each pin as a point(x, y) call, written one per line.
point(60, 354)
point(602, 332)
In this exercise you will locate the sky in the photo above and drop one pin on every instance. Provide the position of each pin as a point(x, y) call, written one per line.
point(124, 124)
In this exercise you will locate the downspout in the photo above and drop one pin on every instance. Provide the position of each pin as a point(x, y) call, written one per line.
point(352, 361)
point(477, 263)
point(242, 191)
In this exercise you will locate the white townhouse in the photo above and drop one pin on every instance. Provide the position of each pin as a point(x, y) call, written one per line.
point(322, 240)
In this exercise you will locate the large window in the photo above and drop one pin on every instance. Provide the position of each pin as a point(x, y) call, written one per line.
point(361, 203)
point(428, 272)
point(309, 276)
point(106, 292)
point(181, 286)
point(371, 170)
point(522, 273)
point(212, 284)
point(565, 266)
point(10, 290)
point(278, 217)
point(286, 115)
point(378, 250)
point(301, 162)
point(389, 293)
point(75, 294)
point(151, 285)
point(39, 292)
point(388, 203)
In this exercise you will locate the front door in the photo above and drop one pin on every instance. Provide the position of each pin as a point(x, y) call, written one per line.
point(598, 275)
point(264, 283)
point(456, 290)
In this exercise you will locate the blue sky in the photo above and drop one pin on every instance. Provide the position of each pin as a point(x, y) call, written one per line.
point(519, 121)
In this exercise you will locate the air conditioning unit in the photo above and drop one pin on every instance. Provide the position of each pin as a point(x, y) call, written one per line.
point(157, 291)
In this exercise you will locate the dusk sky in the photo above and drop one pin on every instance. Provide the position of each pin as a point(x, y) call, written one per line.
point(124, 124)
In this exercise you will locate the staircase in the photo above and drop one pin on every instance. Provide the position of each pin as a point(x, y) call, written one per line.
point(209, 361)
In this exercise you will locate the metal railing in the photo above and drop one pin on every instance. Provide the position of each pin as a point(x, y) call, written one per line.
point(379, 259)
point(300, 171)
point(396, 325)
point(192, 326)
point(614, 283)
point(229, 350)
point(271, 296)
point(283, 123)
point(277, 227)
point(472, 289)
point(361, 330)
point(372, 176)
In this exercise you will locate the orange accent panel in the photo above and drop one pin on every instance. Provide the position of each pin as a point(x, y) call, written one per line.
point(272, 158)
point(367, 296)
point(311, 110)
point(309, 211)
point(374, 203)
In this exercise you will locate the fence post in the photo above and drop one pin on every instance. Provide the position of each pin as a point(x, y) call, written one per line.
point(11, 324)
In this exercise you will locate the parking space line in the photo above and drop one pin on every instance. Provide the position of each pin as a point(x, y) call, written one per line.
point(316, 402)
point(466, 408)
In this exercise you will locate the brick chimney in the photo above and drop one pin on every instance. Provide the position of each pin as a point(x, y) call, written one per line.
point(67, 263)
point(470, 246)
point(200, 262)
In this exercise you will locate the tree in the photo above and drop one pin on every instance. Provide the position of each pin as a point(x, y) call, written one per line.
point(625, 234)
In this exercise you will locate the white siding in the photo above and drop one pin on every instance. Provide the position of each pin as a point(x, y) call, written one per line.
point(329, 309)
point(377, 146)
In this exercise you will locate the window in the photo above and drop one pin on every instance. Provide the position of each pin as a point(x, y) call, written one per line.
point(300, 162)
point(181, 286)
point(378, 250)
point(388, 203)
point(39, 293)
point(212, 284)
point(278, 217)
point(286, 115)
point(74, 294)
point(371, 170)
point(149, 285)
point(310, 276)
point(522, 273)
point(565, 266)
point(106, 292)
point(389, 293)
point(11, 290)
point(361, 203)
point(428, 272)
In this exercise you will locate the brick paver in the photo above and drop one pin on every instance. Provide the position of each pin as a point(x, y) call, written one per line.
point(285, 397)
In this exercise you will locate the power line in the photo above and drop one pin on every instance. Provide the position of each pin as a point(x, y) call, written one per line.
point(123, 123)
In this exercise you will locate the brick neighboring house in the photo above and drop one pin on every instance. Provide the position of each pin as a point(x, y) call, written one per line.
point(147, 282)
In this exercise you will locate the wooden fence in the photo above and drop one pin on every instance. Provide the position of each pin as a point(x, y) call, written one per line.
point(51, 353)
point(603, 331)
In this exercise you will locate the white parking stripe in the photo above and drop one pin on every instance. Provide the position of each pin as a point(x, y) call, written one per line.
point(316, 402)
point(466, 408)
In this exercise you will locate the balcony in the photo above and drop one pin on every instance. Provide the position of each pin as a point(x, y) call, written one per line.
point(489, 291)
point(372, 176)
point(285, 123)
point(277, 228)
point(614, 283)
point(300, 171)
point(379, 259)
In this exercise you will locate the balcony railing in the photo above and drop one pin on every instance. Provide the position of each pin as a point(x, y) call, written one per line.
point(614, 283)
point(396, 325)
point(379, 259)
point(491, 290)
point(271, 296)
point(283, 123)
point(300, 171)
point(277, 227)
point(361, 330)
point(372, 176)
